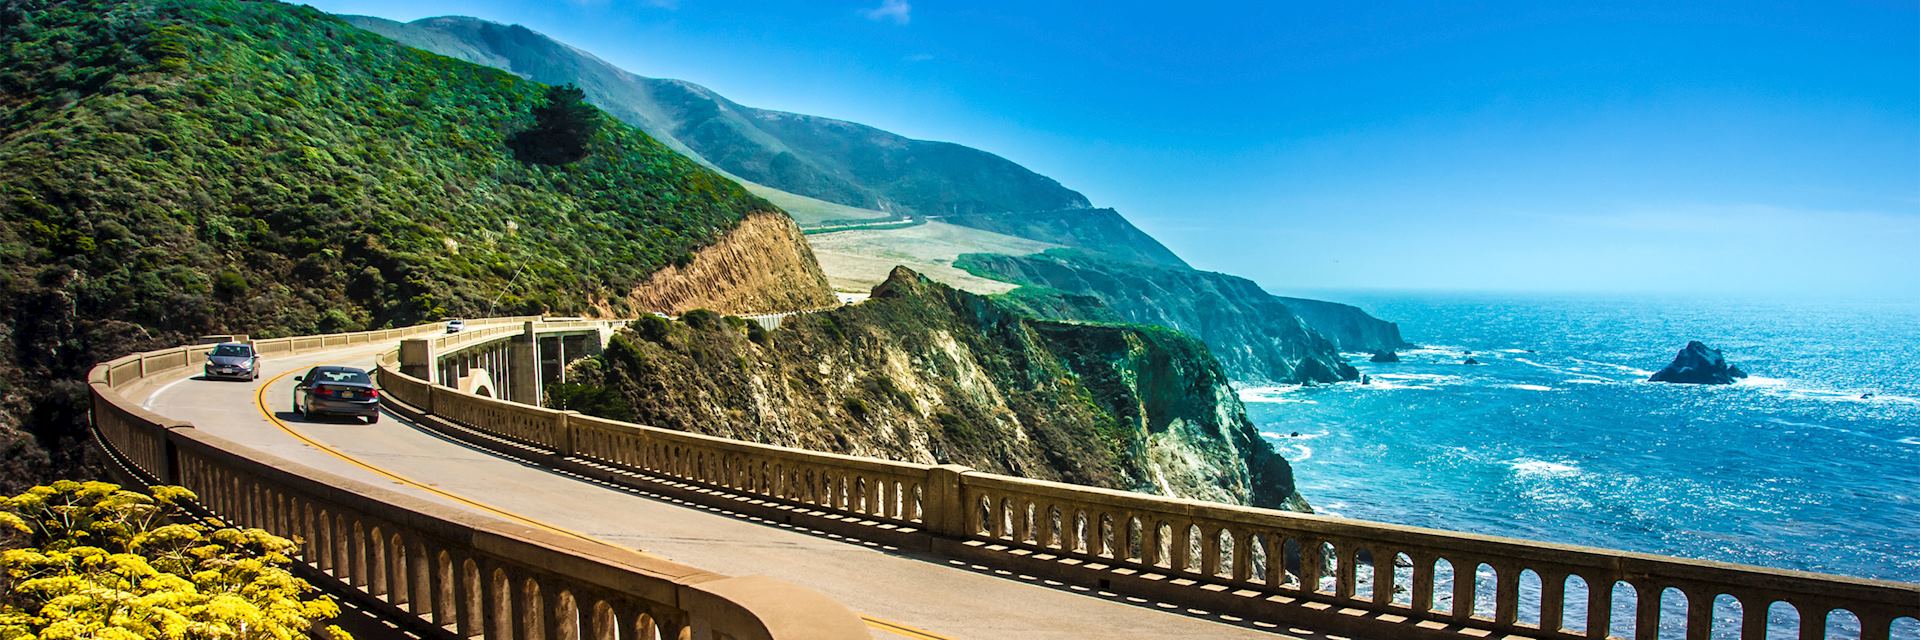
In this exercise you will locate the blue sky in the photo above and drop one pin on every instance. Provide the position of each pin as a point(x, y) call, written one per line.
point(1745, 148)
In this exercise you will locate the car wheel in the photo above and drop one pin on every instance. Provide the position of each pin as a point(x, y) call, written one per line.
point(297, 410)
point(373, 419)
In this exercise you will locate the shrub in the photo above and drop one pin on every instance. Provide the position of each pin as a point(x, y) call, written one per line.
point(89, 560)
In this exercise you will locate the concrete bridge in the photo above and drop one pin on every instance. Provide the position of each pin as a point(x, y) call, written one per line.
point(470, 514)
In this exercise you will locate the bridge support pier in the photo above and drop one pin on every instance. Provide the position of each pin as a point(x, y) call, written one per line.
point(523, 369)
point(416, 359)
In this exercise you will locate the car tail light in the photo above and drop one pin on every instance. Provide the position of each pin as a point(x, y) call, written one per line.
point(322, 391)
point(373, 393)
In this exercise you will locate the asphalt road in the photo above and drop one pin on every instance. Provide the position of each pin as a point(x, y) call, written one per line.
point(902, 595)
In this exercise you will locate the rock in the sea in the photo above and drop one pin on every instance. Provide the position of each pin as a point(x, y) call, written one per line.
point(1471, 361)
point(1384, 356)
point(1698, 364)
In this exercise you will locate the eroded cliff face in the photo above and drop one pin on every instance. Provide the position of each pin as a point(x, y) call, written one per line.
point(1349, 327)
point(925, 373)
point(762, 265)
point(1258, 339)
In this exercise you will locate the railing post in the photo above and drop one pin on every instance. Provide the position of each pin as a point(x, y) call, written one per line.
point(417, 359)
point(944, 514)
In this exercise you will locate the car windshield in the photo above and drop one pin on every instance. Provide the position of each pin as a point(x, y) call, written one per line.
point(233, 350)
point(351, 376)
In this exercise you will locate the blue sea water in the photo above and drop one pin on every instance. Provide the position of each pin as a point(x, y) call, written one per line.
point(1559, 436)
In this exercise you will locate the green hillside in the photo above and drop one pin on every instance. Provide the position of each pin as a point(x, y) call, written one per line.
point(832, 160)
point(1101, 231)
point(177, 167)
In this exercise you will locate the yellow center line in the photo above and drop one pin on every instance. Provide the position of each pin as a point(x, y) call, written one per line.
point(260, 402)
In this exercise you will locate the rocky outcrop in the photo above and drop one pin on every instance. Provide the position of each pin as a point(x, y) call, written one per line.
point(763, 264)
point(1384, 357)
point(925, 373)
point(1258, 339)
point(1698, 364)
point(1348, 326)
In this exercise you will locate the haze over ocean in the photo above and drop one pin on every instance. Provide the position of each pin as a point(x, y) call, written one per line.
point(1559, 436)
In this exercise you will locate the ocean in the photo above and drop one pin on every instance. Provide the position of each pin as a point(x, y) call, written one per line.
point(1813, 463)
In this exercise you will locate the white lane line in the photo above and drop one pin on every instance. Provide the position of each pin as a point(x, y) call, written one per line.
point(148, 405)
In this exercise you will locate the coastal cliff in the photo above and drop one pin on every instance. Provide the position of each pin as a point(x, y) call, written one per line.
point(926, 373)
point(1255, 337)
point(762, 264)
point(1350, 328)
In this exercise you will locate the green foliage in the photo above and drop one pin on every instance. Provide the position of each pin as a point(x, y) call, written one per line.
point(702, 319)
point(89, 560)
point(562, 128)
point(182, 167)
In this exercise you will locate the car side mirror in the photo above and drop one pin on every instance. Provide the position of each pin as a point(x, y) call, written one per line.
point(299, 378)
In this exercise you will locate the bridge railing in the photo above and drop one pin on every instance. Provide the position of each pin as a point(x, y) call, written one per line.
point(467, 574)
point(1361, 577)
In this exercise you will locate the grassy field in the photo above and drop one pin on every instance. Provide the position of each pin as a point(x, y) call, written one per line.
point(811, 212)
point(859, 259)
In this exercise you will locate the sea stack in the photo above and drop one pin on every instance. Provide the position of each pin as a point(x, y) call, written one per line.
point(1471, 361)
point(1384, 356)
point(1698, 364)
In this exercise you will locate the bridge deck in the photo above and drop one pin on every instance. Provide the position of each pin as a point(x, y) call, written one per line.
point(903, 595)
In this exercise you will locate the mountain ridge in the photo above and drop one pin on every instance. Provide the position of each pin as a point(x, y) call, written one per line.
point(834, 160)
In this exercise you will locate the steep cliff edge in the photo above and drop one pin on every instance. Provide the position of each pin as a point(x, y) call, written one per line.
point(763, 264)
point(1253, 335)
point(926, 373)
point(1348, 326)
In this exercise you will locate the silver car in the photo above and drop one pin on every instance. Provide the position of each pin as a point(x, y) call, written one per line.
point(233, 361)
point(336, 391)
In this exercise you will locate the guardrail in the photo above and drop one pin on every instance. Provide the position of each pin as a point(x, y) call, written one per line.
point(1334, 574)
point(458, 573)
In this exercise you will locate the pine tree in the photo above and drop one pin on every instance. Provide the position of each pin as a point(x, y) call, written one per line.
point(561, 128)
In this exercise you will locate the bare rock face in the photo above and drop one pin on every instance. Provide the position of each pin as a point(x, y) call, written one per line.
point(1384, 356)
point(1698, 364)
point(763, 264)
point(925, 373)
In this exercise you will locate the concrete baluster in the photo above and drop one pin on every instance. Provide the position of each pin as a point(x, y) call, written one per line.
point(1599, 623)
point(1347, 557)
point(1466, 577)
point(1383, 577)
point(1506, 594)
point(1276, 560)
point(445, 602)
point(1210, 551)
point(1699, 612)
point(1646, 610)
point(419, 580)
point(469, 597)
point(1553, 600)
point(1422, 596)
point(1813, 618)
point(1242, 555)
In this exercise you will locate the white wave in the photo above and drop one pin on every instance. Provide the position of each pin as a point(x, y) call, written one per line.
point(1912, 440)
point(1529, 467)
point(1793, 390)
point(1616, 367)
point(1586, 381)
point(1526, 387)
point(1568, 371)
point(1388, 381)
point(1276, 395)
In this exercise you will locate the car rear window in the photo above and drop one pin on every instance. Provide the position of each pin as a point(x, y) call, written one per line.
point(235, 350)
point(342, 375)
